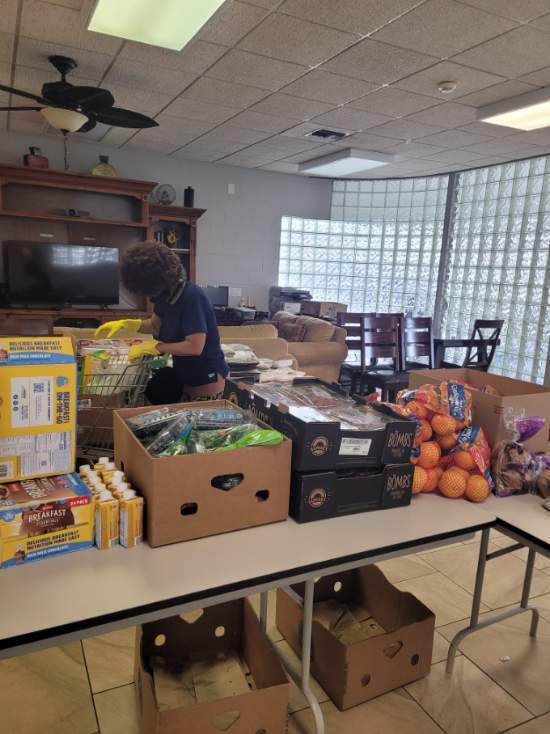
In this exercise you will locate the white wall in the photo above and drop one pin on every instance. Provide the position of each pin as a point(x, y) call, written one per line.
point(238, 237)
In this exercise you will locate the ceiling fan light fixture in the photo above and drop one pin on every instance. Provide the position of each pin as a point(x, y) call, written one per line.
point(62, 119)
point(168, 24)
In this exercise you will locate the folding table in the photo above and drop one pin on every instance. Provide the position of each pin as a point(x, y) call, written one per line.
point(92, 592)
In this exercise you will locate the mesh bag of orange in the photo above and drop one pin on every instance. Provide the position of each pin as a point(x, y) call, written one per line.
point(473, 452)
point(448, 398)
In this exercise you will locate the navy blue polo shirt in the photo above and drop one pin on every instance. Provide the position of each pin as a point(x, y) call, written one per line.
point(192, 313)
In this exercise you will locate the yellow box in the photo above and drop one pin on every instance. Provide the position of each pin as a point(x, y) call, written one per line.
point(38, 386)
point(44, 517)
point(131, 522)
point(107, 523)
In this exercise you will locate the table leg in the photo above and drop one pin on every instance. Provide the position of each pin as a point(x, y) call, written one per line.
point(264, 601)
point(306, 658)
point(475, 624)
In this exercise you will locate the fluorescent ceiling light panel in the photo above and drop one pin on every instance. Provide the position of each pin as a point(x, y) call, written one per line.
point(166, 23)
point(345, 162)
point(529, 111)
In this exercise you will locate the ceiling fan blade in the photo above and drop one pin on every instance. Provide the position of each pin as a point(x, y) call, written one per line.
point(88, 126)
point(18, 109)
point(118, 117)
point(21, 93)
point(87, 98)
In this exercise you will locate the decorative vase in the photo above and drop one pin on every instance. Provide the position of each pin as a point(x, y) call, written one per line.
point(104, 168)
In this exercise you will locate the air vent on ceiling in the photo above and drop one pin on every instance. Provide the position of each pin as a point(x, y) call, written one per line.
point(327, 134)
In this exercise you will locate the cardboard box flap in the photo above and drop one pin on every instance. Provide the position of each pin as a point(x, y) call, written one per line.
point(262, 659)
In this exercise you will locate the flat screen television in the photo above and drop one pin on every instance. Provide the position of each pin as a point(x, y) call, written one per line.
point(218, 295)
point(47, 273)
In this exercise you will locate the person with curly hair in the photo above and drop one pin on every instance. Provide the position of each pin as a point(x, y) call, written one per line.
point(183, 325)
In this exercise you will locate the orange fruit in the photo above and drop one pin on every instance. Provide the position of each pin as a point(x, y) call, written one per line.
point(417, 408)
point(443, 424)
point(419, 479)
point(425, 431)
point(464, 460)
point(477, 488)
point(452, 484)
point(430, 453)
point(432, 479)
point(459, 425)
point(447, 442)
point(461, 471)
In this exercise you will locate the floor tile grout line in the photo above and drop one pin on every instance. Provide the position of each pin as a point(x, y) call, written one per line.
point(89, 685)
point(114, 688)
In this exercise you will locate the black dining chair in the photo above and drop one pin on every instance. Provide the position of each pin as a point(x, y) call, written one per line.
point(481, 347)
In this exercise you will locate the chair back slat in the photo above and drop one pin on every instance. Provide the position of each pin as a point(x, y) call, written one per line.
point(418, 338)
point(480, 356)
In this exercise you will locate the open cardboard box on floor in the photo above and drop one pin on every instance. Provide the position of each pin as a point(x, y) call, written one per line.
point(392, 648)
point(186, 497)
point(210, 706)
point(496, 413)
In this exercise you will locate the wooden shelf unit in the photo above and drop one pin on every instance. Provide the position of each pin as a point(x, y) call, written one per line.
point(184, 221)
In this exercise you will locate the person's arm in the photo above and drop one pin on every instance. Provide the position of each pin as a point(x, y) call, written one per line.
point(191, 346)
point(150, 326)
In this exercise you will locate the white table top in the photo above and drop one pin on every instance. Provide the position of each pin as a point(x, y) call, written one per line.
point(525, 514)
point(87, 589)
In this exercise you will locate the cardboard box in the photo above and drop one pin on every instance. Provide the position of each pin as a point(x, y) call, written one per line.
point(182, 500)
point(333, 494)
point(44, 517)
point(37, 407)
point(323, 309)
point(322, 446)
point(354, 673)
point(496, 414)
point(230, 626)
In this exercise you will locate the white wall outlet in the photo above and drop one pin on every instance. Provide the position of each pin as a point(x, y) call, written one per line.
point(231, 189)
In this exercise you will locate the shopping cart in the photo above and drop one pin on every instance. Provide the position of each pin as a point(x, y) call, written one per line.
point(105, 385)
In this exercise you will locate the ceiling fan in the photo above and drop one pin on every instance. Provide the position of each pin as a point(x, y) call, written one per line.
point(71, 108)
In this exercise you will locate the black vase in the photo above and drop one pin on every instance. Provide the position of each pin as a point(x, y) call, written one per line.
point(189, 197)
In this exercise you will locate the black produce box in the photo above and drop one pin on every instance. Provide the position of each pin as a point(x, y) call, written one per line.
point(323, 441)
point(318, 496)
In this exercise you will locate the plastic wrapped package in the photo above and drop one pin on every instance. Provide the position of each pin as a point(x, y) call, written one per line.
point(516, 470)
point(448, 398)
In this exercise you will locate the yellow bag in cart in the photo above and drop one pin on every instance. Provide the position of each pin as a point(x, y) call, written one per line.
point(37, 407)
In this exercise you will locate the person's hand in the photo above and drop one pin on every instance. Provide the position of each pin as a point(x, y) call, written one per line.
point(110, 328)
point(145, 349)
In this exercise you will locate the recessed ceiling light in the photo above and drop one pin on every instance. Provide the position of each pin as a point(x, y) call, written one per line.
point(345, 162)
point(529, 111)
point(166, 23)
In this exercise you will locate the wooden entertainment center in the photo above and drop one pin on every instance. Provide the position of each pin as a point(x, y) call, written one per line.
point(43, 205)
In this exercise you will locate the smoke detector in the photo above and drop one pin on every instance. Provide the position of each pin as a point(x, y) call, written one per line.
point(447, 87)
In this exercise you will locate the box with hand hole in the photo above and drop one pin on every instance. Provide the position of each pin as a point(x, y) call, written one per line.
point(197, 495)
point(368, 637)
point(210, 671)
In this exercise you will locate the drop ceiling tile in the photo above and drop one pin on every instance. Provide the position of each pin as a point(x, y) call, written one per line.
point(448, 114)
point(288, 145)
point(485, 161)
point(486, 129)
point(147, 77)
point(305, 128)
point(117, 136)
point(405, 129)
point(153, 146)
point(356, 16)
point(174, 130)
point(232, 21)
point(454, 156)
point(8, 16)
point(230, 133)
point(34, 54)
point(327, 87)
point(543, 23)
point(5, 73)
point(149, 103)
point(513, 54)
point(31, 122)
point(534, 137)
point(541, 78)
point(501, 147)
point(195, 58)
point(263, 123)
point(415, 150)
point(246, 161)
point(75, 4)
point(285, 104)
point(377, 62)
point(281, 167)
point(469, 80)
point(443, 28)
point(216, 91)
point(347, 117)
point(290, 39)
point(199, 153)
point(370, 141)
point(310, 154)
point(31, 80)
point(57, 24)
point(504, 90)
point(6, 47)
point(258, 71)
point(393, 102)
point(455, 139)
point(269, 4)
point(192, 109)
point(521, 10)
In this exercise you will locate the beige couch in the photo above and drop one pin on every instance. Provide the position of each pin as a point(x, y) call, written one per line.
point(261, 338)
point(323, 349)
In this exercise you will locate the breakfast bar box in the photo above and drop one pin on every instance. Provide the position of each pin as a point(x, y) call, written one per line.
point(328, 430)
point(321, 495)
point(37, 407)
point(197, 495)
point(496, 410)
point(368, 637)
point(44, 517)
point(209, 671)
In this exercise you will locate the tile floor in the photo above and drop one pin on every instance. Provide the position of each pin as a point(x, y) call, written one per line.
point(500, 682)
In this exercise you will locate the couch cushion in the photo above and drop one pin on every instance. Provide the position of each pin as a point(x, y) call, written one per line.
point(257, 330)
point(292, 332)
point(317, 330)
point(284, 316)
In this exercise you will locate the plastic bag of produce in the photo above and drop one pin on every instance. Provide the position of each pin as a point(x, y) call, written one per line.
point(448, 398)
